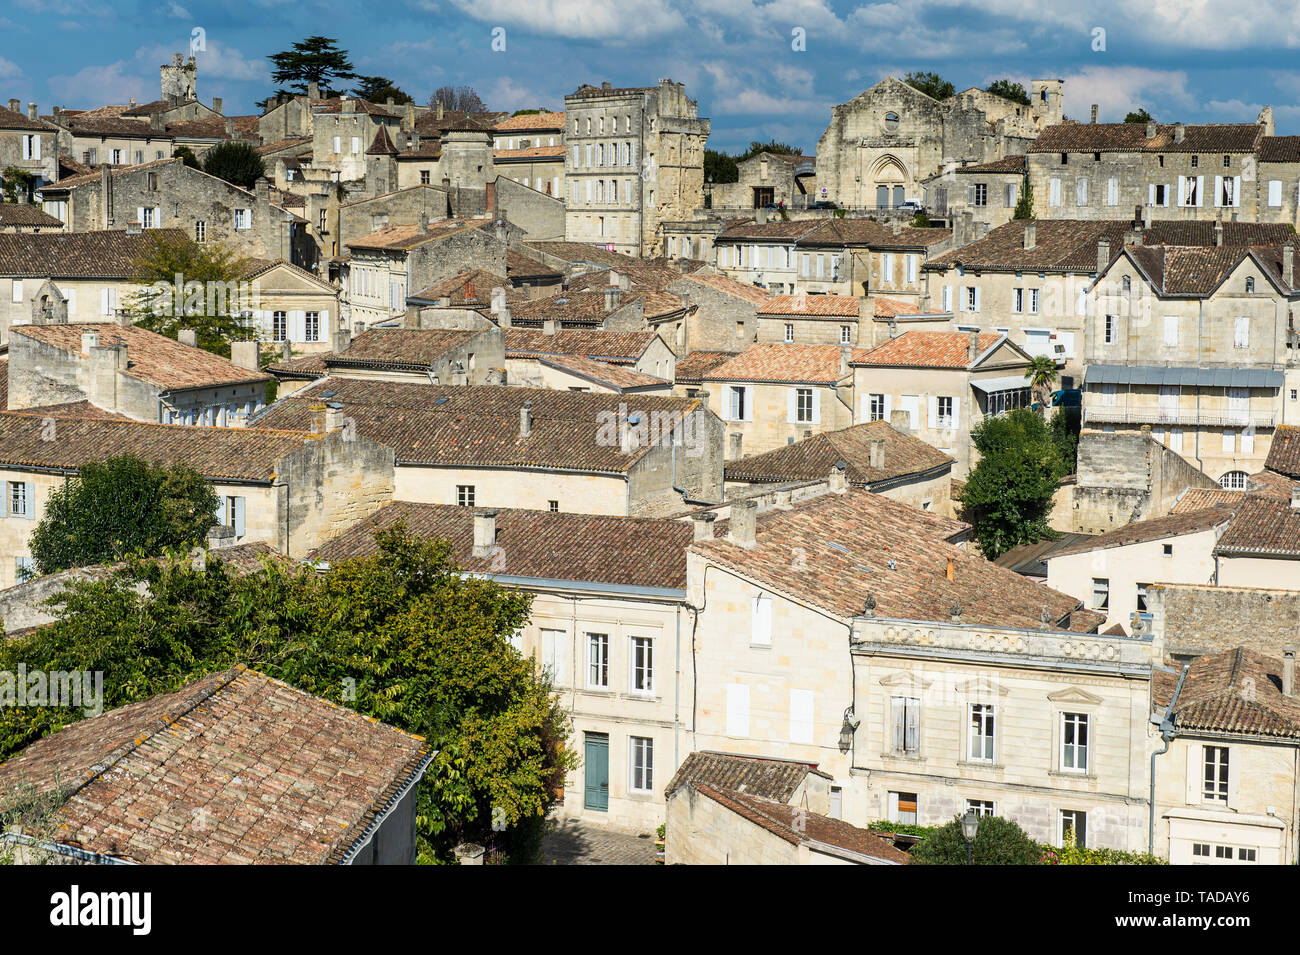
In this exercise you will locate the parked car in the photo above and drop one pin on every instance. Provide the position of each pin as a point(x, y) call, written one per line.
point(824, 204)
point(912, 205)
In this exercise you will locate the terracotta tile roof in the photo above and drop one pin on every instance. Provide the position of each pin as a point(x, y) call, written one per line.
point(1006, 164)
point(661, 304)
point(1279, 149)
point(214, 127)
point(889, 307)
point(157, 106)
point(798, 826)
point(836, 233)
point(83, 410)
point(632, 551)
point(14, 214)
point(643, 275)
point(697, 364)
point(408, 348)
point(724, 283)
point(619, 377)
point(780, 362)
point(1284, 452)
point(478, 425)
point(1271, 484)
point(530, 121)
point(774, 230)
point(307, 367)
point(1199, 498)
point(811, 306)
point(530, 152)
point(777, 779)
point(381, 145)
point(110, 254)
point(568, 307)
point(236, 454)
point(812, 458)
point(520, 266)
point(152, 358)
point(279, 145)
point(609, 347)
point(1177, 270)
point(334, 104)
point(1030, 559)
point(1154, 529)
point(409, 236)
point(1132, 137)
point(281, 776)
point(71, 182)
point(9, 119)
point(1263, 526)
point(4, 382)
point(925, 350)
point(472, 288)
point(88, 125)
point(1237, 691)
point(849, 541)
point(580, 252)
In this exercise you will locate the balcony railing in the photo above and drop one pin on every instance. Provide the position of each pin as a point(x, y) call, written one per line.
point(1214, 418)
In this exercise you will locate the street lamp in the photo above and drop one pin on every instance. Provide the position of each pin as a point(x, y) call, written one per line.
point(970, 826)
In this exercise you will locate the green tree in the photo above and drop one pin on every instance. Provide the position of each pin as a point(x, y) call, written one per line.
point(1042, 374)
point(316, 58)
point(186, 155)
point(19, 185)
point(998, 841)
point(1138, 116)
point(1009, 90)
point(1025, 204)
point(458, 99)
point(931, 84)
point(771, 146)
point(379, 89)
point(721, 166)
point(235, 161)
point(1065, 424)
point(1008, 494)
point(123, 506)
point(402, 636)
point(211, 303)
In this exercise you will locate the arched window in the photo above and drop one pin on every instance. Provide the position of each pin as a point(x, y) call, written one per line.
point(1250, 283)
point(1234, 480)
point(1127, 283)
point(891, 122)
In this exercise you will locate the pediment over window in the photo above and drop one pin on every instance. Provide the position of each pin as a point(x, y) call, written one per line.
point(905, 680)
point(982, 686)
point(1073, 694)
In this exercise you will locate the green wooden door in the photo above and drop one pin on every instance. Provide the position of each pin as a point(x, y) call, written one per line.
point(596, 795)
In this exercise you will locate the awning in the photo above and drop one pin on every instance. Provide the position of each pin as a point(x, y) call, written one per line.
point(1005, 383)
point(1187, 377)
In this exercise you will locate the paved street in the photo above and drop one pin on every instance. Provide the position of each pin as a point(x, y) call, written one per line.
point(572, 843)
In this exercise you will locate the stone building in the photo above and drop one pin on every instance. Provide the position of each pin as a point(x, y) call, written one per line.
point(529, 150)
point(767, 179)
point(884, 143)
point(634, 158)
point(28, 144)
point(989, 191)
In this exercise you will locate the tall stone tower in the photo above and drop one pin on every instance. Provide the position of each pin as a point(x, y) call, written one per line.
point(1046, 101)
point(179, 79)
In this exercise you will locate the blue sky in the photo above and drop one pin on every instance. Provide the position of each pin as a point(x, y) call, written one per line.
point(1190, 60)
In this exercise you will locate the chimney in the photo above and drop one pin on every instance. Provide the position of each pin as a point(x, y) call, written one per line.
point(1288, 265)
point(424, 221)
point(105, 198)
point(245, 355)
point(896, 227)
point(503, 317)
point(613, 294)
point(629, 437)
point(341, 338)
point(1218, 231)
point(760, 216)
point(15, 105)
point(1103, 254)
point(1093, 120)
point(973, 347)
point(846, 355)
point(1031, 234)
point(1288, 671)
point(286, 350)
point(877, 458)
point(1151, 130)
point(156, 120)
point(262, 188)
point(313, 90)
point(1179, 132)
point(606, 85)
point(702, 525)
point(1146, 217)
point(188, 336)
point(951, 572)
point(216, 105)
point(333, 417)
point(220, 535)
point(550, 326)
point(1295, 498)
point(57, 110)
point(837, 482)
point(31, 111)
point(230, 127)
point(743, 523)
point(485, 533)
point(526, 419)
point(89, 340)
point(490, 198)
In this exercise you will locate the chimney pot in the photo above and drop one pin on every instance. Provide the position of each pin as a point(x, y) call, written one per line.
point(31, 111)
point(14, 105)
point(1288, 671)
point(702, 525)
point(838, 482)
point(744, 523)
point(485, 533)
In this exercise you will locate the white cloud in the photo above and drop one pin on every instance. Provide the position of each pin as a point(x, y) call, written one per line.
point(506, 94)
point(1118, 90)
point(97, 85)
point(9, 69)
point(174, 9)
point(630, 20)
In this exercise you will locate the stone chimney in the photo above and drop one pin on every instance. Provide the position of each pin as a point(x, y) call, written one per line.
point(504, 318)
point(896, 227)
point(846, 355)
point(341, 338)
point(628, 434)
point(837, 482)
point(900, 421)
point(31, 111)
point(313, 90)
point(424, 221)
point(216, 105)
point(245, 355)
point(613, 295)
point(1288, 671)
point(485, 533)
point(89, 340)
point(743, 524)
point(188, 336)
point(156, 120)
point(1093, 118)
point(333, 417)
point(220, 535)
point(1146, 217)
point(439, 109)
point(1103, 254)
point(550, 326)
point(1031, 234)
point(1151, 130)
point(760, 216)
point(230, 127)
point(286, 350)
point(526, 419)
point(1180, 131)
point(877, 455)
point(972, 347)
point(15, 105)
point(1218, 230)
point(262, 188)
point(702, 525)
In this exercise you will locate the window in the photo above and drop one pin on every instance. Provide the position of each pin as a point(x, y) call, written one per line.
point(1081, 192)
point(737, 709)
point(981, 193)
point(243, 219)
point(24, 569)
point(801, 716)
point(465, 495)
point(876, 407)
point(789, 333)
point(1275, 192)
point(1033, 301)
point(642, 762)
point(598, 660)
point(230, 513)
point(803, 399)
point(1215, 779)
point(147, 219)
point(1074, 742)
point(279, 326)
point(1100, 593)
point(1017, 300)
point(1189, 192)
point(972, 299)
point(846, 334)
point(554, 643)
point(981, 733)
point(1110, 333)
point(1142, 592)
point(31, 146)
point(891, 122)
point(643, 669)
point(1234, 480)
point(1171, 330)
point(761, 628)
point(200, 231)
point(905, 712)
point(1227, 191)
point(1168, 550)
point(739, 403)
point(1227, 161)
point(20, 499)
point(1074, 822)
point(17, 295)
point(981, 807)
point(944, 417)
point(553, 506)
point(424, 177)
point(1054, 192)
point(1159, 195)
point(902, 808)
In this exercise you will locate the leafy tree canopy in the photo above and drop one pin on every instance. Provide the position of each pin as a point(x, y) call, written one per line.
point(380, 89)
point(19, 185)
point(211, 305)
point(401, 636)
point(771, 146)
point(235, 161)
point(1009, 90)
point(186, 155)
point(1008, 494)
point(931, 84)
point(1025, 204)
point(458, 99)
point(1138, 116)
point(720, 166)
point(123, 506)
point(998, 841)
point(315, 58)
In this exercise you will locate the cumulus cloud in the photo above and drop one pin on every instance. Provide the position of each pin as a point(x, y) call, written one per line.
point(104, 84)
point(629, 21)
point(1118, 90)
point(9, 69)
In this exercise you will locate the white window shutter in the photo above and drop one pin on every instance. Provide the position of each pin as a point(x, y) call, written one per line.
point(1233, 778)
point(103, 302)
point(977, 298)
point(1151, 194)
point(956, 412)
point(1195, 769)
point(762, 631)
point(817, 406)
point(139, 214)
point(72, 302)
point(947, 298)
point(749, 402)
point(791, 404)
point(1218, 191)
point(1200, 191)
point(889, 406)
point(801, 716)
point(1169, 191)
point(934, 412)
point(1236, 191)
point(325, 326)
point(1182, 189)
point(1275, 192)
point(1247, 441)
point(737, 709)
point(1229, 442)
point(29, 500)
point(157, 217)
point(239, 517)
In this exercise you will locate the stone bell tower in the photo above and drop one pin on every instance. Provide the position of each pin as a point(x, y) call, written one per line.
point(179, 79)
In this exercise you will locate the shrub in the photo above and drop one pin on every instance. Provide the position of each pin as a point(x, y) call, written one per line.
point(998, 841)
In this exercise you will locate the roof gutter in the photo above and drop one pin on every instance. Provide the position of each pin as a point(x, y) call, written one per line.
point(394, 801)
point(1167, 733)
